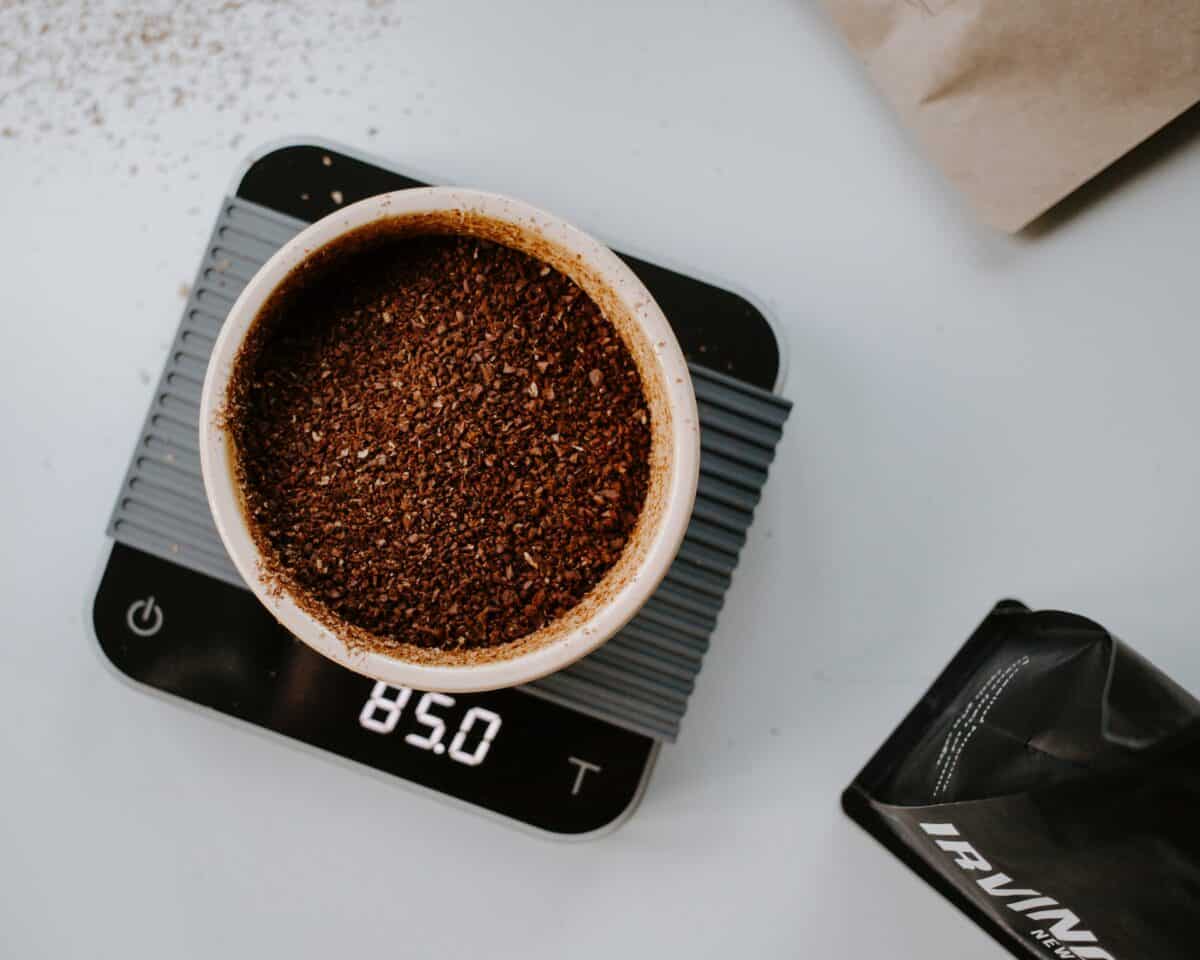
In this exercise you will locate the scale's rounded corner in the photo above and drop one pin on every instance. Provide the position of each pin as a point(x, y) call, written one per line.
point(269, 149)
point(94, 616)
point(619, 819)
point(778, 332)
point(91, 616)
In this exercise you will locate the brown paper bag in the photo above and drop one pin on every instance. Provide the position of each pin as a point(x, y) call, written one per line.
point(1021, 101)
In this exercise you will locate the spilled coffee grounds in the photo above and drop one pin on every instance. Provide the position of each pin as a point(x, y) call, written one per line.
point(441, 440)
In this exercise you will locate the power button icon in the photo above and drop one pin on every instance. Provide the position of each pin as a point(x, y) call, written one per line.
point(144, 617)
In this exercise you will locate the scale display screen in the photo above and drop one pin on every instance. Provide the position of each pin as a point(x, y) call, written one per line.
point(507, 751)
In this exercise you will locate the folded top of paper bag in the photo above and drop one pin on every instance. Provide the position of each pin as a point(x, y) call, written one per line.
point(1021, 101)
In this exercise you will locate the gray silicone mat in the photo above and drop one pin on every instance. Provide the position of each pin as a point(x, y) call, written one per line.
point(640, 679)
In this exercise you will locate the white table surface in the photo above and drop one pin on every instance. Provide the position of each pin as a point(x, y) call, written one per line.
point(976, 416)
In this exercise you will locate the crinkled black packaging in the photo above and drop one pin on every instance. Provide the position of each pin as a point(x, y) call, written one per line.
point(1048, 785)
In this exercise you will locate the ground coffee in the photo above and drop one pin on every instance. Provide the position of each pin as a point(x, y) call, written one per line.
point(441, 441)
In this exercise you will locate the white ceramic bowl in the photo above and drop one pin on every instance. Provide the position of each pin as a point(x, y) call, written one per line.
point(675, 440)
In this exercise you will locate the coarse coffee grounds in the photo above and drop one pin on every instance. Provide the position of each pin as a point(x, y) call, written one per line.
point(441, 441)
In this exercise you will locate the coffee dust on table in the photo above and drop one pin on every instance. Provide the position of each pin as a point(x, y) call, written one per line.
point(440, 440)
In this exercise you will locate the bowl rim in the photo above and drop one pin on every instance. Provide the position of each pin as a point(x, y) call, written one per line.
point(221, 487)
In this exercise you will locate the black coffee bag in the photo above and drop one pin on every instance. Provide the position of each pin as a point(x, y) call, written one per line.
point(1048, 784)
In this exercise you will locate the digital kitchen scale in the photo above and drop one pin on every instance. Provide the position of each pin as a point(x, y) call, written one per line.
point(569, 754)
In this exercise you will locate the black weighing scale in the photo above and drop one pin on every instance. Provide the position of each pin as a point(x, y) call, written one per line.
point(569, 754)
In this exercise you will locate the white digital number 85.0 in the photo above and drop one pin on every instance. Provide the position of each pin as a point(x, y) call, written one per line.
point(381, 713)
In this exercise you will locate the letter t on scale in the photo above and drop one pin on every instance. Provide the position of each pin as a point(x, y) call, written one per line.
point(584, 769)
